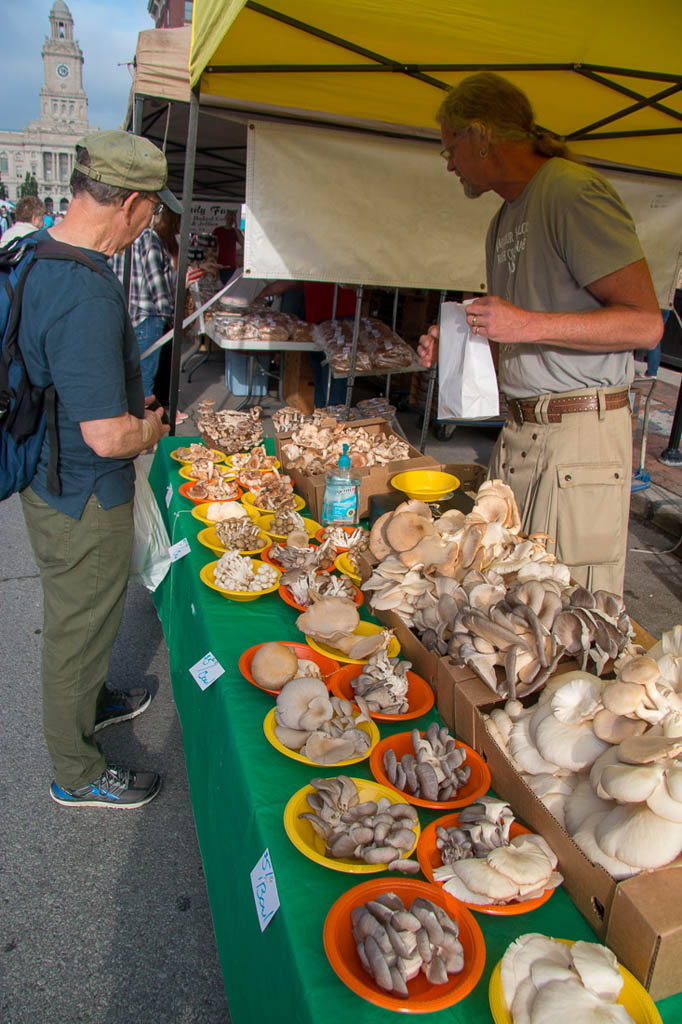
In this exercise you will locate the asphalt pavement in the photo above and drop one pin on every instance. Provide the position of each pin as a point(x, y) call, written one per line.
point(104, 914)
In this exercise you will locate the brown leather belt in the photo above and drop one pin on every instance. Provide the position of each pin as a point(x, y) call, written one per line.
point(524, 410)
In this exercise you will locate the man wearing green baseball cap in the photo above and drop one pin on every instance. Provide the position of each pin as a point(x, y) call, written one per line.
point(75, 333)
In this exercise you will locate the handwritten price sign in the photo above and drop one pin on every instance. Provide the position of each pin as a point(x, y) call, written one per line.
point(206, 671)
point(264, 890)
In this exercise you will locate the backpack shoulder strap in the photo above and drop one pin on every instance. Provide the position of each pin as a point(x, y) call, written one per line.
point(51, 249)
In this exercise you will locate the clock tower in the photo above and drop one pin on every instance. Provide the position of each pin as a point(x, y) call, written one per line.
point(63, 103)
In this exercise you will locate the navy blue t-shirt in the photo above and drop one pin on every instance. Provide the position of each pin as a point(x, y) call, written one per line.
point(76, 333)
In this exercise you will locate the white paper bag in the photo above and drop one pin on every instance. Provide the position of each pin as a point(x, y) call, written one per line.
point(467, 383)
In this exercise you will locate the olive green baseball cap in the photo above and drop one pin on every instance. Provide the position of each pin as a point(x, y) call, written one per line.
point(127, 161)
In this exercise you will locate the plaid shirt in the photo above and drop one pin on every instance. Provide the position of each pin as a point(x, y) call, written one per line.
point(152, 278)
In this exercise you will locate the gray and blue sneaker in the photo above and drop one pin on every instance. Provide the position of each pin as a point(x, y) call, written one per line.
point(120, 705)
point(115, 787)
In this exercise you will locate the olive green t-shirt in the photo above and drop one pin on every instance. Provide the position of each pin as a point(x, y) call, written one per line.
point(567, 229)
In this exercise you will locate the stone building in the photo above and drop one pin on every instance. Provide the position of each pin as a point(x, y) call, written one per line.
point(45, 148)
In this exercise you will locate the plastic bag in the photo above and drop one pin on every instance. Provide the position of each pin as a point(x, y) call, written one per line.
point(467, 383)
point(150, 560)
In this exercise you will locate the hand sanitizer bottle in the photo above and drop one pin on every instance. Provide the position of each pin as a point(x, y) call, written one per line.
point(340, 504)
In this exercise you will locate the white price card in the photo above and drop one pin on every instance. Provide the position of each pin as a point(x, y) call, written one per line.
point(206, 671)
point(264, 890)
point(169, 494)
point(179, 550)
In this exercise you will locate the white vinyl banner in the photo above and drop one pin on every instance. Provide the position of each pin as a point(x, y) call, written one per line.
point(334, 205)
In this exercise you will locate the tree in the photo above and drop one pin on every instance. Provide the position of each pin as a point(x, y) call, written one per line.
point(3, 190)
point(29, 186)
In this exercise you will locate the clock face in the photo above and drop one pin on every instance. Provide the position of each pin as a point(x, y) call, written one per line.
point(63, 70)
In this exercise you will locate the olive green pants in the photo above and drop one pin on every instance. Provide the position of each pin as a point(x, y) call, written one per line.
point(84, 573)
point(571, 480)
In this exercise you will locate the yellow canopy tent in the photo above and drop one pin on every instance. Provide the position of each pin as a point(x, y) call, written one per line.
point(606, 76)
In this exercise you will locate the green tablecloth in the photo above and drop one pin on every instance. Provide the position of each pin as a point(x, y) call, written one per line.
point(239, 787)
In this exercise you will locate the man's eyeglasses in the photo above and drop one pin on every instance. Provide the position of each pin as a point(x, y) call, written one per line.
point(156, 202)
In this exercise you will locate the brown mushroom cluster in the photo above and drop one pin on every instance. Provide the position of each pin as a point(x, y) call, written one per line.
point(197, 451)
point(256, 459)
point(240, 534)
point(435, 771)
point(315, 448)
point(373, 832)
point(273, 491)
point(395, 943)
point(217, 488)
point(306, 556)
point(229, 431)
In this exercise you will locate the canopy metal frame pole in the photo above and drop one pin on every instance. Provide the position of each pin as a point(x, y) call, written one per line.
point(394, 322)
point(431, 383)
point(353, 352)
point(138, 106)
point(183, 255)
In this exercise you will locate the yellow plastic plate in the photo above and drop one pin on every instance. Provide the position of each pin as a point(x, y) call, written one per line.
point(306, 839)
point(633, 997)
point(248, 499)
point(362, 629)
point(269, 724)
point(209, 538)
point(207, 576)
point(266, 520)
point(228, 460)
point(343, 565)
point(425, 484)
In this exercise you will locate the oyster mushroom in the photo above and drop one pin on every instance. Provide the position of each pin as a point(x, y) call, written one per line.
point(305, 698)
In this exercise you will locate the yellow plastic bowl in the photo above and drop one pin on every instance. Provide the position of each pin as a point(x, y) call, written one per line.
point(207, 576)
point(248, 499)
point(425, 484)
point(362, 629)
point(306, 839)
point(269, 723)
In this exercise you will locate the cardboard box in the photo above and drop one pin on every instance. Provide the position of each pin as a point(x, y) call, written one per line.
point(373, 479)
point(640, 918)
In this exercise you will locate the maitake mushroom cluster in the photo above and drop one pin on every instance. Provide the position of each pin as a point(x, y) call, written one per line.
point(482, 865)
point(435, 771)
point(605, 757)
point(314, 449)
point(322, 728)
point(273, 491)
point(546, 981)
point(374, 832)
point(236, 572)
point(293, 555)
point(333, 621)
point(383, 684)
point(307, 584)
point(228, 431)
point(217, 488)
point(394, 943)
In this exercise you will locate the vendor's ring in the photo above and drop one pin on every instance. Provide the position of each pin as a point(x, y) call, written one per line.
point(473, 321)
point(475, 330)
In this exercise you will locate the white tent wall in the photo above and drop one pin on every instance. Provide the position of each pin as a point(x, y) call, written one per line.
point(341, 206)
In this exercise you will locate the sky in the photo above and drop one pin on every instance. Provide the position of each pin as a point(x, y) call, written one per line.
point(106, 31)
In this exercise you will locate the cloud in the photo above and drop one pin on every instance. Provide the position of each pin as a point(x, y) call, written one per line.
point(106, 31)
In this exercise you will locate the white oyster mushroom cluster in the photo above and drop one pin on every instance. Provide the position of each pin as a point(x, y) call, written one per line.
point(395, 943)
point(307, 584)
point(545, 981)
point(588, 750)
point(436, 770)
point(341, 539)
point(322, 728)
point(333, 621)
point(373, 832)
point(383, 684)
point(236, 572)
point(482, 865)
